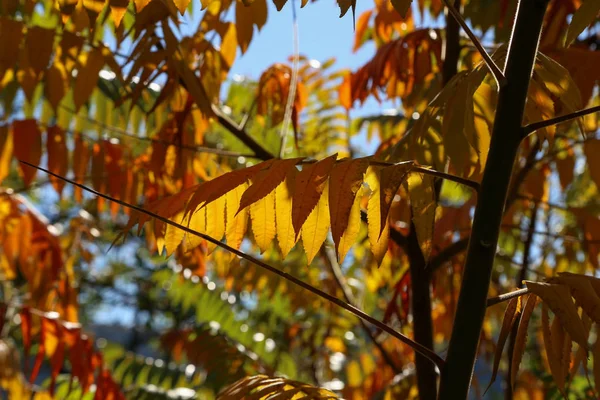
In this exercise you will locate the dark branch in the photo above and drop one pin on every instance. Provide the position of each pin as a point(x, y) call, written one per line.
point(496, 72)
point(527, 129)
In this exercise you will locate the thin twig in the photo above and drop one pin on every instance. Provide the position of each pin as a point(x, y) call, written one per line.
point(122, 132)
point(439, 361)
point(506, 296)
point(527, 129)
point(496, 72)
point(338, 276)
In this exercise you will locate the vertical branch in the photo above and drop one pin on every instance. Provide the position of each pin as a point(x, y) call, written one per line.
point(522, 275)
point(506, 137)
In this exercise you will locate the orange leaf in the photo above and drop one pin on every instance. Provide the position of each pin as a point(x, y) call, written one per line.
point(345, 180)
point(6, 151)
point(28, 146)
point(58, 156)
point(81, 158)
point(512, 312)
point(267, 180)
point(87, 77)
point(391, 179)
point(310, 183)
point(521, 338)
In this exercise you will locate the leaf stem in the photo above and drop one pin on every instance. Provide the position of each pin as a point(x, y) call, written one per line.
point(496, 72)
point(506, 296)
point(439, 361)
point(528, 129)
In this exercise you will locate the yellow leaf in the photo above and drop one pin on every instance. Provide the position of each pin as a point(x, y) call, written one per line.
point(314, 230)
point(6, 151)
point(87, 77)
point(267, 180)
point(583, 17)
point(196, 222)
point(283, 213)
point(310, 184)
point(558, 298)
point(512, 312)
point(237, 223)
point(583, 292)
point(345, 180)
point(378, 238)
point(335, 344)
point(215, 221)
point(350, 234)
point(521, 338)
point(262, 214)
point(173, 235)
point(213, 189)
point(423, 204)
point(229, 45)
point(246, 17)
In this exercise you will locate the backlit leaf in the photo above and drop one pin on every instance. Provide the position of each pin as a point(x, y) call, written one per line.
point(521, 338)
point(378, 238)
point(237, 222)
point(58, 155)
point(262, 214)
point(345, 181)
point(6, 151)
point(27, 140)
point(267, 180)
point(351, 232)
point(314, 230)
point(310, 184)
point(423, 205)
point(215, 221)
point(583, 17)
point(284, 194)
point(512, 312)
point(390, 180)
point(87, 76)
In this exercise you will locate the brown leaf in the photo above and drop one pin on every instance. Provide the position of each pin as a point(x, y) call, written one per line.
point(58, 156)
point(87, 77)
point(521, 338)
point(27, 140)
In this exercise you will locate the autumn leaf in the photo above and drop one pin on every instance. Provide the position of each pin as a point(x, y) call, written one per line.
point(284, 194)
point(27, 140)
point(6, 150)
point(58, 155)
point(352, 229)
point(402, 6)
point(423, 205)
point(378, 237)
point(310, 184)
point(262, 214)
point(583, 17)
point(511, 314)
point(237, 222)
point(246, 18)
point(215, 221)
point(521, 338)
point(345, 182)
point(267, 180)
point(87, 76)
point(314, 230)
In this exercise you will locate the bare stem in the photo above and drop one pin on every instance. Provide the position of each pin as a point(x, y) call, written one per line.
point(439, 361)
point(496, 72)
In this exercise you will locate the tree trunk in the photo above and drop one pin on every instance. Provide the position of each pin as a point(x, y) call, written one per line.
point(506, 137)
